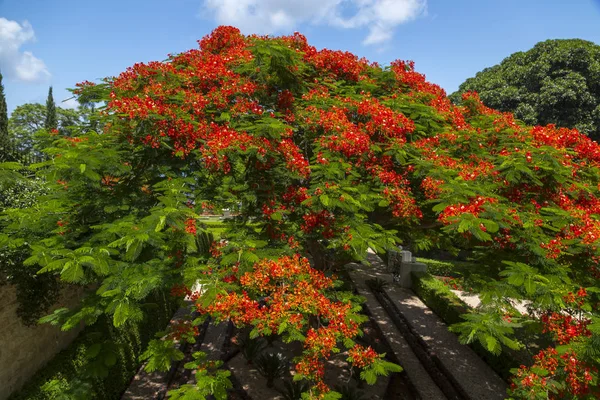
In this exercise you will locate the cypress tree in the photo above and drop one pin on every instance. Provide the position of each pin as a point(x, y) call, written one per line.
point(51, 121)
point(3, 116)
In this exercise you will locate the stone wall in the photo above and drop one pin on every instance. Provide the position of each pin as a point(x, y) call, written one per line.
point(24, 350)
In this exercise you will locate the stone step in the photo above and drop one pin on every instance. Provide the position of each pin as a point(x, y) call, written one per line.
point(475, 379)
point(424, 385)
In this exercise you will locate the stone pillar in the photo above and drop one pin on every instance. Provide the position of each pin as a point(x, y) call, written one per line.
point(407, 266)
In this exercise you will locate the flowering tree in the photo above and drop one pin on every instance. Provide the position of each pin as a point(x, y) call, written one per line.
point(325, 156)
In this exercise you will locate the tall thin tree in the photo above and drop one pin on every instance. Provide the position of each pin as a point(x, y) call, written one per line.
point(3, 116)
point(51, 121)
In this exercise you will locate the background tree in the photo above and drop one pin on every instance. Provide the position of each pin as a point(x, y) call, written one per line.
point(555, 82)
point(90, 99)
point(29, 118)
point(51, 121)
point(3, 115)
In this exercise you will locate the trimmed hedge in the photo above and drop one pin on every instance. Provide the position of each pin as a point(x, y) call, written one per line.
point(437, 296)
point(449, 307)
point(452, 269)
point(66, 372)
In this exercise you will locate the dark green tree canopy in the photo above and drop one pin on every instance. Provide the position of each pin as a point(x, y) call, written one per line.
point(556, 82)
point(51, 121)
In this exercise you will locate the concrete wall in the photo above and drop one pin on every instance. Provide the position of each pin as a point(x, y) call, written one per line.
point(24, 350)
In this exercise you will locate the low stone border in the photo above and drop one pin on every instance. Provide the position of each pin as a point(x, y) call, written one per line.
point(474, 378)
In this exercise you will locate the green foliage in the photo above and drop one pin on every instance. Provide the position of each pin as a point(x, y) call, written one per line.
point(22, 193)
point(348, 392)
point(272, 366)
point(485, 340)
point(491, 330)
point(35, 293)
point(293, 389)
point(100, 363)
point(211, 382)
point(380, 367)
point(555, 82)
point(51, 121)
point(438, 297)
point(160, 354)
point(252, 348)
point(447, 268)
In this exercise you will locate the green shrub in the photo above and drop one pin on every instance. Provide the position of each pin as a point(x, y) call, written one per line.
point(22, 194)
point(69, 370)
point(293, 389)
point(454, 269)
point(272, 366)
point(252, 348)
point(439, 297)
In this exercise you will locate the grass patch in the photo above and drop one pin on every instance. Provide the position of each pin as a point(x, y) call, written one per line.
point(214, 225)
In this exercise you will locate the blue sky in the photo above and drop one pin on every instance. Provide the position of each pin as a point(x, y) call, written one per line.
point(63, 42)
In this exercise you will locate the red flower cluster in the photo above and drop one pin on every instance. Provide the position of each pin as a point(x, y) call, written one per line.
point(340, 64)
point(182, 329)
point(190, 226)
point(82, 86)
point(383, 120)
point(321, 220)
point(293, 291)
point(432, 187)
point(565, 327)
point(294, 158)
point(548, 370)
point(180, 291)
point(474, 207)
point(362, 357)
point(577, 298)
point(403, 205)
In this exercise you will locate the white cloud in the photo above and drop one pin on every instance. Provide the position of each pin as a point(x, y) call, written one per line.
point(15, 63)
point(380, 17)
point(69, 103)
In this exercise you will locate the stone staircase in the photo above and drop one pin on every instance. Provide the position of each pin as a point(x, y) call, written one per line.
point(436, 363)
